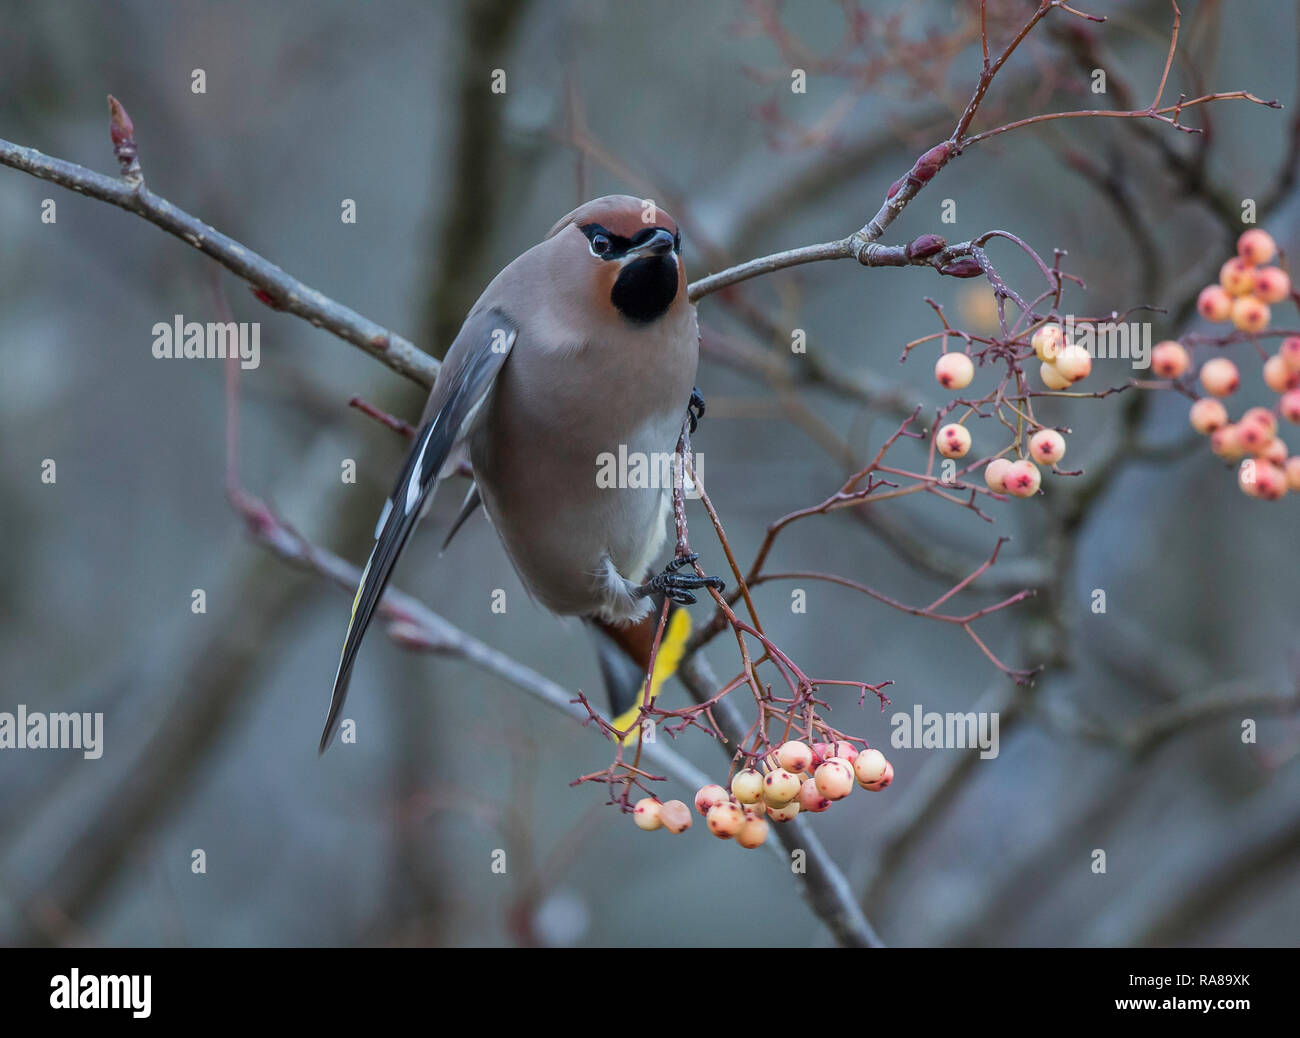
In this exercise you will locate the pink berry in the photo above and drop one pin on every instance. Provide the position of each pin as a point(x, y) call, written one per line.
point(676, 816)
point(1289, 351)
point(780, 787)
point(834, 779)
point(710, 796)
point(1226, 443)
point(1074, 363)
point(1219, 377)
point(995, 475)
point(1292, 470)
point(953, 441)
point(1169, 359)
point(1250, 314)
point(1237, 277)
point(1262, 479)
point(1023, 478)
point(1272, 284)
point(725, 820)
point(646, 814)
point(1289, 405)
point(1261, 416)
point(1052, 378)
point(1047, 446)
point(1252, 436)
point(1207, 415)
point(811, 799)
point(1256, 246)
point(1047, 342)
point(1214, 304)
point(1274, 451)
point(796, 757)
point(869, 767)
point(1278, 377)
point(954, 371)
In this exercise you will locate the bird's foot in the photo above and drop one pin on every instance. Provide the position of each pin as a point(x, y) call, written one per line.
point(678, 586)
point(695, 409)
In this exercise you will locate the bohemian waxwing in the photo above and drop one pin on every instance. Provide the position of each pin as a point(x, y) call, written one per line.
point(584, 344)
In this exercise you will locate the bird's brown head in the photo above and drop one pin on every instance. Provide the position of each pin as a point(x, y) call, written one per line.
point(632, 250)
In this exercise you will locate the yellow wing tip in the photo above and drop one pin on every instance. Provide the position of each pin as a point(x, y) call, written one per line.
point(672, 647)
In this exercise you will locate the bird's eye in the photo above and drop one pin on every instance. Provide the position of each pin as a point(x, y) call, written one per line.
point(599, 244)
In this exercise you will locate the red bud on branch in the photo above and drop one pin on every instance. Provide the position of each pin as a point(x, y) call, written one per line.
point(122, 131)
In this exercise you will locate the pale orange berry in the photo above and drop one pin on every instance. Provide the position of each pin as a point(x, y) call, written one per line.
point(1289, 351)
point(1047, 446)
point(1256, 246)
point(785, 812)
point(676, 816)
point(753, 833)
point(834, 779)
point(954, 371)
point(1226, 443)
point(1208, 414)
point(1237, 277)
point(780, 787)
point(1023, 478)
point(1250, 314)
point(796, 757)
point(869, 767)
point(1052, 378)
point(1289, 405)
point(725, 820)
point(710, 796)
point(1219, 376)
point(1274, 451)
point(747, 786)
point(1074, 363)
point(995, 474)
point(1047, 342)
point(1169, 359)
point(811, 798)
point(646, 814)
point(884, 779)
point(1214, 304)
point(1272, 284)
point(953, 441)
point(1278, 377)
point(1292, 470)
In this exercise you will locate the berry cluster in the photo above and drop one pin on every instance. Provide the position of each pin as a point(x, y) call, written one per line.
point(1062, 366)
point(798, 777)
point(1243, 296)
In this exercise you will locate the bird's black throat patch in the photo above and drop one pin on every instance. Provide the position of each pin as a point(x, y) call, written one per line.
point(646, 288)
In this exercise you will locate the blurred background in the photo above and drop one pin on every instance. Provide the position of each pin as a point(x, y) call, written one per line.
point(1130, 741)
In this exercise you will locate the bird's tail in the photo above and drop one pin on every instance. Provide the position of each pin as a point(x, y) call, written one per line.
point(624, 655)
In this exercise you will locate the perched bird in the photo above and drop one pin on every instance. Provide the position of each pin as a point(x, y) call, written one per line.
point(584, 344)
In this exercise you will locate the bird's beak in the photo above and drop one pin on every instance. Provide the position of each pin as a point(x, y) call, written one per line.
point(659, 244)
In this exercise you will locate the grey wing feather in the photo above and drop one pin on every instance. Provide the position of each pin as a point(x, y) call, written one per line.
point(468, 374)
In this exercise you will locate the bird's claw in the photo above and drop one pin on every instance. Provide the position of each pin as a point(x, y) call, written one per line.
point(695, 409)
point(677, 587)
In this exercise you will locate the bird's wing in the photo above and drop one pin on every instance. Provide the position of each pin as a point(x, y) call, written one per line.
point(467, 375)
